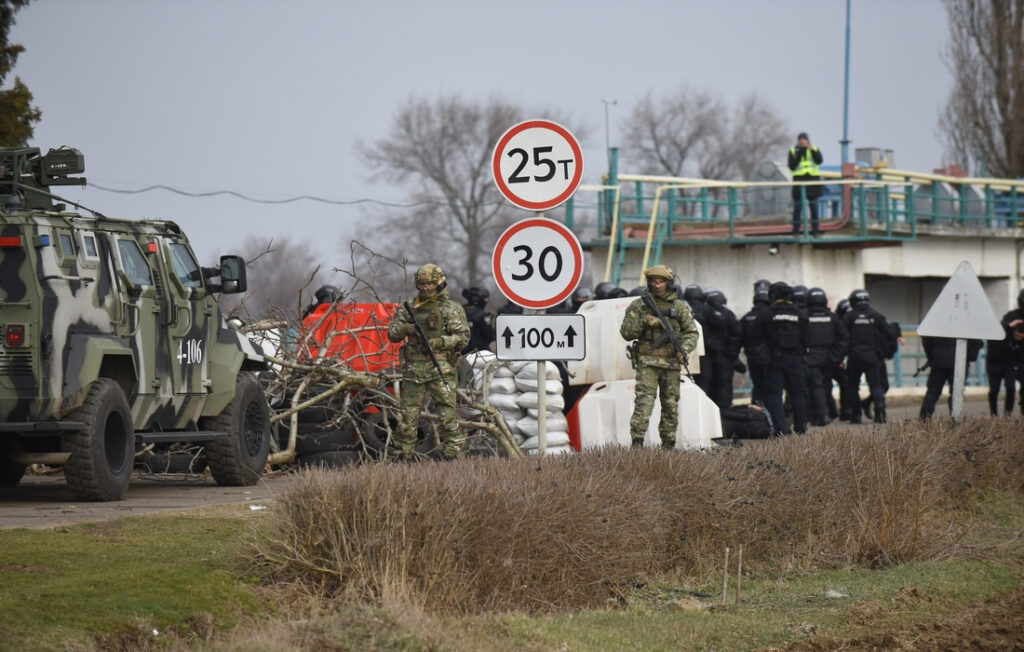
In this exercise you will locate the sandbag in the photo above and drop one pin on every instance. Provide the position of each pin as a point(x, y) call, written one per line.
point(550, 411)
point(530, 426)
point(503, 385)
point(504, 402)
point(528, 400)
point(554, 440)
point(530, 372)
point(530, 385)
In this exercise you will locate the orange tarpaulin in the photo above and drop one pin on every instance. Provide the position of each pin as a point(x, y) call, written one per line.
point(356, 333)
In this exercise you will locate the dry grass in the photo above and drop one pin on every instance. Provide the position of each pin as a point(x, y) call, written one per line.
point(568, 532)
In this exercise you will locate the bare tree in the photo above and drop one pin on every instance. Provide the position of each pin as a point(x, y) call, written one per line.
point(280, 276)
point(441, 150)
point(695, 133)
point(984, 116)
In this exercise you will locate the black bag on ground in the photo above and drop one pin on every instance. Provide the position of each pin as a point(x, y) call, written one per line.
point(746, 422)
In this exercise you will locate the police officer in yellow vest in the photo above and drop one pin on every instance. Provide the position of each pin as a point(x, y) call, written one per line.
point(804, 160)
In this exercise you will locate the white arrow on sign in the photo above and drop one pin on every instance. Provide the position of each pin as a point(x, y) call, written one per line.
point(537, 262)
point(541, 337)
point(962, 310)
point(537, 164)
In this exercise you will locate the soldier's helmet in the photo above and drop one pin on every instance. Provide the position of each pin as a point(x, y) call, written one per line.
point(780, 291)
point(327, 294)
point(604, 290)
point(659, 271)
point(430, 273)
point(692, 292)
point(715, 297)
point(817, 298)
point(476, 296)
point(858, 297)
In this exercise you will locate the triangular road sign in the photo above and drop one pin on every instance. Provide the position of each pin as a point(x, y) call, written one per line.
point(962, 310)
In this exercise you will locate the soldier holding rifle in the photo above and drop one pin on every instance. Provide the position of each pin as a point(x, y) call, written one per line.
point(664, 332)
point(437, 331)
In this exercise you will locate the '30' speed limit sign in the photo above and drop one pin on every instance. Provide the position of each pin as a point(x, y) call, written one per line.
point(537, 165)
point(537, 262)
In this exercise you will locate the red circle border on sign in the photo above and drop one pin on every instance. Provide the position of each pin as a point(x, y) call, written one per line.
point(566, 233)
point(507, 192)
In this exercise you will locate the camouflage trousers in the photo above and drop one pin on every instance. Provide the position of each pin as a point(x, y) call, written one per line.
point(649, 380)
point(413, 396)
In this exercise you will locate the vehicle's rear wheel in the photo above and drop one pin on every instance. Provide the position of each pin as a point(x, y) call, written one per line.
point(102, 454)
point(240, 459)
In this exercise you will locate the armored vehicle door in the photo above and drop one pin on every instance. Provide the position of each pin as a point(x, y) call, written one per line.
point(188, 324)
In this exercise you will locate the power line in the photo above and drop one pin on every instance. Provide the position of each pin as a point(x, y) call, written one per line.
point(289, 200)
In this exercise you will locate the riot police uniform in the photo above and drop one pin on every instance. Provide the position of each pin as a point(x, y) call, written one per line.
point(869, 344)
point(827, 340)
point(941, 352)
point(783, 327)
point(693, 295)
point(722, 343)
point(755, 348)
point(481, 322)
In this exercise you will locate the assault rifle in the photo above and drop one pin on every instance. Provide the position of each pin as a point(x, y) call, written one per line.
point(922, 368)
point(426, 344)
point(669, 333)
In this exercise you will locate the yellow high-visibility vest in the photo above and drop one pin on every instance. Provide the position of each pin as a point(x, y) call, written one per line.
point(807, 166)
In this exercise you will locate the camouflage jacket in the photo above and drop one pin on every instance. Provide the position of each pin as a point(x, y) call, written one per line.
point(637, 326)
point(444, 322)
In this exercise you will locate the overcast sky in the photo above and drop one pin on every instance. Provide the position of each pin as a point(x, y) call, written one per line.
point(268, 98)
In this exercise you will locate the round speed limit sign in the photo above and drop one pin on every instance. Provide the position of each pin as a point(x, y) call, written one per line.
point(537, 165)
point(537, 263)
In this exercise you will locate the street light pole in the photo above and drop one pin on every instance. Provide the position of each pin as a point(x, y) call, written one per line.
point(845, 142)
point(607, 138)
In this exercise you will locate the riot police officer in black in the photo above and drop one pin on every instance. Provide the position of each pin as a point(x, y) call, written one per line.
point(755, 348)
point(693, 295)
point(783, 327)
point(827, 340)
point(869, 344)
point(722, 344)
point(941, 353)
point(481, 322)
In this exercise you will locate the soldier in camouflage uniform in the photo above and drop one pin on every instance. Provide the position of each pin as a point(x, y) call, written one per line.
point(444, 322)
point(656, 359)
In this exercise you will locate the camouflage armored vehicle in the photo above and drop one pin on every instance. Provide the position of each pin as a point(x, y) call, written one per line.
point(113, 342)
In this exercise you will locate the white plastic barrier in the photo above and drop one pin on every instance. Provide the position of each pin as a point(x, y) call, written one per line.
point(601, 417)
point(606, 350)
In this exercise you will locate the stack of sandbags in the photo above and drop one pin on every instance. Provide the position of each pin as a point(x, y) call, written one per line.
point(500, 390)
point(556, 427)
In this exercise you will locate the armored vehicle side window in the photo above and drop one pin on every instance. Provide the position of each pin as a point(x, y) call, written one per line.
point(90, 246)
point(67, 248)
point(185, 267)
point(135, 265)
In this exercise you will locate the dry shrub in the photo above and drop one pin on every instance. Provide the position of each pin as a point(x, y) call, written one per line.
point(479, 535)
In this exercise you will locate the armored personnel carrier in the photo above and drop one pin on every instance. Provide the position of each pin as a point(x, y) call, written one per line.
point(112, 341)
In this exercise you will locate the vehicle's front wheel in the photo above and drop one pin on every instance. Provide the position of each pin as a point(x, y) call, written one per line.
point(103, 453)
point(240, 459)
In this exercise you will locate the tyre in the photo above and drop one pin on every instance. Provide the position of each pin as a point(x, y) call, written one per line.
point(375, 429)
point(103, 453)
point(240, 459)
point(330, 460)
point(325, 441)
point(11, 473)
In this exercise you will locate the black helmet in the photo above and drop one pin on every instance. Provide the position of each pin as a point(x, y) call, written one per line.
point(715, 297)
point(858, 297)
point(800, 294)
point(761, 296)
point(780, 291)
point(843, 307)
point(327, 294)
point(692, 292)
point(816, 297)
point(618, 293)
point(762, 284)
point(604, 290)
point(582, 295)
point(637, 291)
point(476, 296)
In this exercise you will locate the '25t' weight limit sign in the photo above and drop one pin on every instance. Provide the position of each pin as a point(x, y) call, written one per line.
point(537, 262)
point(537, 165)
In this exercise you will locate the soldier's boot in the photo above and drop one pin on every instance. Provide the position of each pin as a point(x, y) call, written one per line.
point(879, 414)
point(637, 443)
point(668, 444)
point(866, 407)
